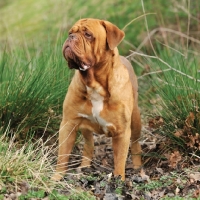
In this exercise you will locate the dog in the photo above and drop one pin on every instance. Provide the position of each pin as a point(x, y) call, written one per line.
point(102, 96)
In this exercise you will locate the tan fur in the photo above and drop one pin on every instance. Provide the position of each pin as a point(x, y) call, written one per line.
point(102, 99)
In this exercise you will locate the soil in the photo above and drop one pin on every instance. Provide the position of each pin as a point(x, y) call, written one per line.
point(165, 173)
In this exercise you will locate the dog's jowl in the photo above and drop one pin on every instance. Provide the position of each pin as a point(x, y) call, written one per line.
point(102, 96)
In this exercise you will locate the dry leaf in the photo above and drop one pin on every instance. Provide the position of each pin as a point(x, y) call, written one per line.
point(194, 177)
point(196, 194)
point(178, 133)
point(146, 69)
point(194, 141)
point(24, 187)
point(190, 120)
point(144, 176)
point(174, 159)
point(156, 194)
point(160, 170)
point(177, 191)
point(104, 162)
point(109, 176)
point(156, 122)
point(178, 180)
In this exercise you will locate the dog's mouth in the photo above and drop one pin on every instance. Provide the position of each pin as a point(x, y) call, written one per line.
point(74, 61)
point(83, 66)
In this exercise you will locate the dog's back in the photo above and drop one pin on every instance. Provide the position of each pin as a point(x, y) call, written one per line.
point(132, 75)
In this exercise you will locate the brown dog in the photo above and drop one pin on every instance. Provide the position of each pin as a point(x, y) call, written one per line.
point(102, 96)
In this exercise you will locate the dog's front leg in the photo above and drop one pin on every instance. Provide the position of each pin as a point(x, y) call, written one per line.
point(67, 137)
point(120, 149)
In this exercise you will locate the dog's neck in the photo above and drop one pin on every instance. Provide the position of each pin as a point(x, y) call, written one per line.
point(97, 76)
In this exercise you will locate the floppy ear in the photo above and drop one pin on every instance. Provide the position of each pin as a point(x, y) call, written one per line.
point(114, 34)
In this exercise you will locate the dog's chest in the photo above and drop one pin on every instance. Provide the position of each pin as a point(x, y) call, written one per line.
point(97, 101)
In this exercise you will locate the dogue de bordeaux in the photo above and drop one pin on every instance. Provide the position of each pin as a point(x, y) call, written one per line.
point(102, 96)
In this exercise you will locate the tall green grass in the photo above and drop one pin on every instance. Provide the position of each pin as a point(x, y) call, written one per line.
point(34, 21)
point(173, 94)
point(32, 90)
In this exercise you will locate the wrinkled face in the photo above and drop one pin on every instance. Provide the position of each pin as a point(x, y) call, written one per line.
point(85, 44)
point(88, 42)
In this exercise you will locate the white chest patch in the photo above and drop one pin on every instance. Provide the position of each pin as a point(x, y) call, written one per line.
point(97, 106)
point(97, 103)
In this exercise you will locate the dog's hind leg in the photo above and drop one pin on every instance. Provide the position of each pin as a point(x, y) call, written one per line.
point(120, 150)
point(88, 149)
point(135, 136)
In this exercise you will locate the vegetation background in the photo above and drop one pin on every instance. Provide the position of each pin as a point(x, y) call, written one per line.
point(162, 42)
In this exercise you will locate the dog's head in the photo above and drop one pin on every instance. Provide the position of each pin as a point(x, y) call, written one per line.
point(89, 41)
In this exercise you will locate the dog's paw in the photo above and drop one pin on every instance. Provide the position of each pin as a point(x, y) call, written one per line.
point(57, 177)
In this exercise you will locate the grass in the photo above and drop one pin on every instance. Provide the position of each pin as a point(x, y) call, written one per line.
point(21, 164)
point(177, 97)
point(32, 91)
point(34, 78)
point(25, 170)
point(173, 180)
point(30, 23)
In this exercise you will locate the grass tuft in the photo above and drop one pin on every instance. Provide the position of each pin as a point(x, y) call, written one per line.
point(175, 98)
point(20, 164)
point(32, 91)
point(25, 171)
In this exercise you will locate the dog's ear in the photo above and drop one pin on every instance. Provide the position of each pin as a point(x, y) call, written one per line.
point(114, 34)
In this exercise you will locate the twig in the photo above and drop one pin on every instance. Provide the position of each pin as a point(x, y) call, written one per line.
point(166, 30)
point(170, 48)
point(179, 87)
point(178, 5)
point(195, 155)
point(162, 61)
point(188, 28)
point(155, 72)
point(146, 24)
point(137, 19)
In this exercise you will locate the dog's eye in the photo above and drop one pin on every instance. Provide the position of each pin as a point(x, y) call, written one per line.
point(88, 35)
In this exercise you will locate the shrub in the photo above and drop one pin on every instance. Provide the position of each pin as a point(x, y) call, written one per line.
point(176, 100)
point(32, 91)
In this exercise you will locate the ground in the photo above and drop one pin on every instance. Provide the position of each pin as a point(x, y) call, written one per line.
point(161, 177)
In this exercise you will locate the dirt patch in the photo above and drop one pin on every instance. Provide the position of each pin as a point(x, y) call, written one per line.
point(164, 174)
